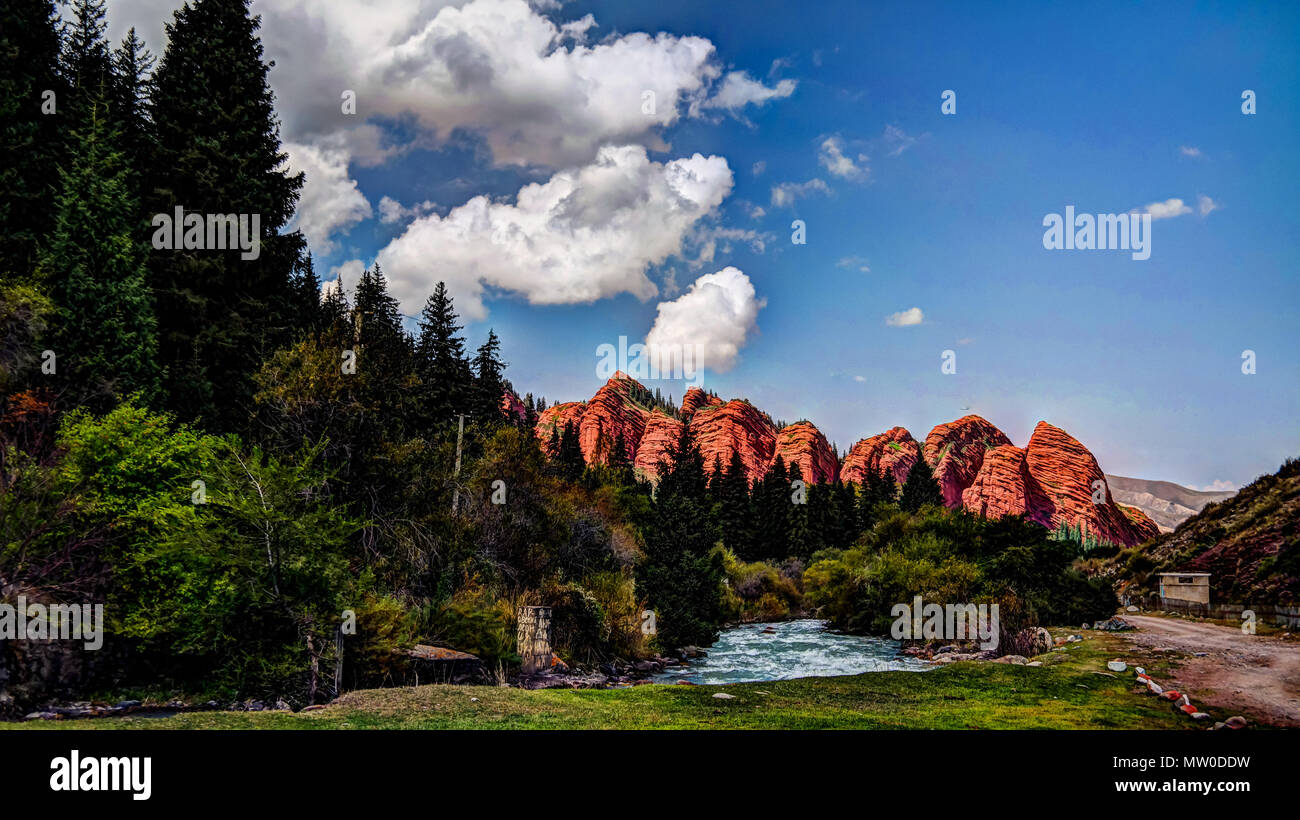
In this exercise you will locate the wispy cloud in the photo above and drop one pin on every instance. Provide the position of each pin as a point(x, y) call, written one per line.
point(858, 262)
point(1191, 151)
point(1204, 204)
point(785, 194)
point(896, 140)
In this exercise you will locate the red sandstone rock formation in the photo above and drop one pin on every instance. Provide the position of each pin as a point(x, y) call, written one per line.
point(661, 433)
point(895, 450)
point(1001, 486)
point(513, 407)
point(1051, 481)
point(696, 398)
point(956, 451)
point(736, 426)
point(803, 444)
point(1065, 472)
point(555, 417)
point(611, 411)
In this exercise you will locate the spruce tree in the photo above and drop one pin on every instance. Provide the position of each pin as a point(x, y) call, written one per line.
point(772, 513)
point(798, 520)
point(105, 339)
point(921, 488)
point(571, 460)
point(446, 381)
point(132, 67)
point(680, 575)
point(734, 517)
point(218, 152)
point(489, 386)
point(619, 463)
point(87, 66)
point(30, 138)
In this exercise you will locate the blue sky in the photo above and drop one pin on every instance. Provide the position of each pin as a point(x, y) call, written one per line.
point(1107, 109)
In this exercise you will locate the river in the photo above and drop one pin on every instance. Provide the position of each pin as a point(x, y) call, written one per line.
point(790, 649)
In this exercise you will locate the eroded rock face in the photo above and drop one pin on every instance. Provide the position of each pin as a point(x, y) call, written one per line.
point(661, 433)
point(1051, 481)
point(555, 417)
point(803, 444)
point(894, 450)
point(1001, 486)
point(1064, 471)
point(956, 451)
point(696, 398)
point(736, 426)
point(610, 412)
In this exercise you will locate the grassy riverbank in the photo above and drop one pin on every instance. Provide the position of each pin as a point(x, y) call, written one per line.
point(1065, 693)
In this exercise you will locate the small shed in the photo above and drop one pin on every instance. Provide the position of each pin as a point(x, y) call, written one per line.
point(1191, 587)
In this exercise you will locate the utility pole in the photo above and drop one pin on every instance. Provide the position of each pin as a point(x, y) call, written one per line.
point(455, 476)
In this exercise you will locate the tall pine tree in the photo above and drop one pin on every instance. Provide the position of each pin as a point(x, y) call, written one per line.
point(921, 488)
point(446, 382)
point(489, 385)
point(105, 336)
point(31, 119)
point(218, 152)
point(680, 575)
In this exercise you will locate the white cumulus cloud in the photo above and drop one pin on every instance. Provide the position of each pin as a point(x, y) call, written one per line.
point(718, 311)
point(905, 318)
point(1165, 210)
point(539, 93)
point(832, 157)
point(585, 234)
point(330, 202)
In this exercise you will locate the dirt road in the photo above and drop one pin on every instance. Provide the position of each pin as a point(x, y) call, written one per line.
point(1251, 674)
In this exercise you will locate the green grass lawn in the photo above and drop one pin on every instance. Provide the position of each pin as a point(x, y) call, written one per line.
point(1065, 693)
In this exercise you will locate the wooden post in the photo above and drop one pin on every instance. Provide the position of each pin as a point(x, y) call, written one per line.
point(534, 638)
point(338, 661)
point(455, 476)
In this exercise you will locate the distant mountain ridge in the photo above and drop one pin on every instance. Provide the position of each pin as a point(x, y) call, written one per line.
point(1052, 480)
point(1164, 502)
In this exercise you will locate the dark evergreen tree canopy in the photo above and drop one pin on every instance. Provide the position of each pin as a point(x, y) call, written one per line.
point(445, 376)
point(218, 152)
point(921, 488)
point(94, 265)
point(30, 140)
point(489, 384)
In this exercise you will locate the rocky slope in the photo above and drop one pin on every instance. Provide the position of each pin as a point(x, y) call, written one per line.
point(552, 419)
point(1166, 503)
point(1249, 543)
point(696, 398)
point(956, 451)
point(610, 412)
point(1002, 485)
point(661, 433)
point(736, 426)
point(1052, 480)
point(894, 450)
point(803, 444)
